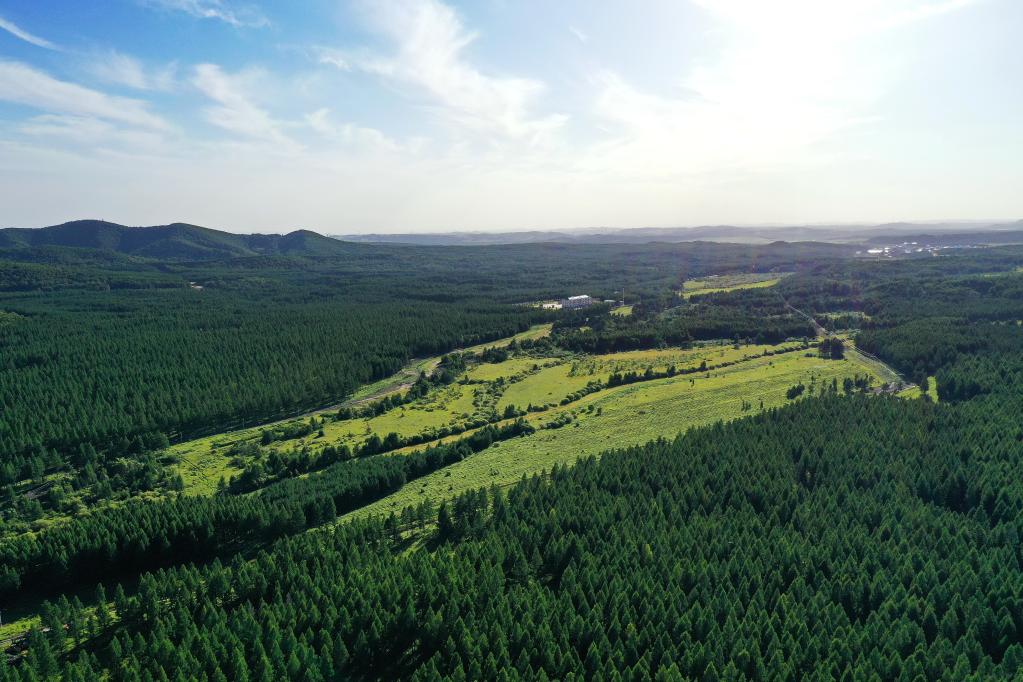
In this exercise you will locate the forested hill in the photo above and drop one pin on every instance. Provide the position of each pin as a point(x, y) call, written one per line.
point(177, 241)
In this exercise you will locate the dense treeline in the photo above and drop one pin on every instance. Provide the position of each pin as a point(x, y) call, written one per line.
point(764, 549)
point(142, 535)
point(845, 537)
point(106, 357)
point(758, 316)
point(98, 347)
point(96, 370)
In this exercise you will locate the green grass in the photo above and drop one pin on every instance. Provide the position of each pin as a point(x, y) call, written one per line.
point(202, 461)
point(915, 392)
point(635, 413)
point(490, 371)
point(885, 373)
point(537, 331)
point(548, 386)
point(623, 310)
point(629, 415)
point(551, 384)
point(713, 285)
point(201, 466)
point(15, 626)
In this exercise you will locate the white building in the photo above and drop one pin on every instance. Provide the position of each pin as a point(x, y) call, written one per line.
point(574, 302)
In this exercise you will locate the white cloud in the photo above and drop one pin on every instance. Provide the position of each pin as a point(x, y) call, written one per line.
point(789, 110)
point(91, 133)
point(22, 84)
point(352, 135)
point(236, 15)
point(121, 69)
point(17, 32)
point(580, 35)
point(923, 10)
point(332, 57)
point(789, 75)
point(236, 111)
point(431, 39)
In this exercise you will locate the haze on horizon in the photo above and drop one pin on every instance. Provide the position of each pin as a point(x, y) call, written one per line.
point(347, 116)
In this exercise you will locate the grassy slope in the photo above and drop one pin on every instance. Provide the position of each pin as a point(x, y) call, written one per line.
point(731, 283)
point(552, 384)
point(202, 462)
point(630, 415)
point(540, 381)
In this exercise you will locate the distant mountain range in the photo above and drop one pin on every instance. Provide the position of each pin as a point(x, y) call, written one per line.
point(853, 234)
point(177, 241)
point(184, 242)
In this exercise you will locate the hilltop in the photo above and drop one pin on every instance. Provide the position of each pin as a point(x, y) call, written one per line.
point(176, 241)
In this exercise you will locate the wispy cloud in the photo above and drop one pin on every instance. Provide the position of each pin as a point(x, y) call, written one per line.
point(23, 84)
point(352, 135)
point(580, 35)
point(18, 32)
point(918, 11)
point(332, 57)
point(90, 133)
point(121, 69)
point(235, 110)
point(790, 74)
point(430, 40)
point(236, 15)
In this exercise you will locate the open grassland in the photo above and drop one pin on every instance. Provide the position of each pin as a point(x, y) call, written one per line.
point(623, 310)
point(202, 462)
point(407, 375)
point(885, 373)
point(546, 387)
point(551, 384)
point(513, 367)
point(713, 285)
point(915, 392)
point(629, 415)
point(520, 381)
point(399, 381)
point(537, 331)
point(633, 413)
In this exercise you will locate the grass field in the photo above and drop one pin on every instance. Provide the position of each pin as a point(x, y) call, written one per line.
point(407, 375)
point(551, 384)
point(628, 415)
point(624, 415)
point(915, 392)
point(885, 373)
point(713, 285)
point(537, 331)
point(520, 381)
point(492, 371)
point(623, 310)
point(203, 461)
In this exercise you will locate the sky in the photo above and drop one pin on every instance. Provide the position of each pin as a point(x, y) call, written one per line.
point(347, 116)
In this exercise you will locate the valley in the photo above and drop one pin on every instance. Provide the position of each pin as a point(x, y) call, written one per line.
point(298, 427)
point(550, 390)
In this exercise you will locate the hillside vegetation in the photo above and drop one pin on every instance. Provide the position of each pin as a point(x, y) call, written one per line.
point(390, 467)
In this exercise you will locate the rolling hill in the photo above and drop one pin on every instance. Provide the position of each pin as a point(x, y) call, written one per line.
point(177, 241)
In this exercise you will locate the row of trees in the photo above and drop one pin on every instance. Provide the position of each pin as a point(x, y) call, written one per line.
point(142, 535)
point(764, 549)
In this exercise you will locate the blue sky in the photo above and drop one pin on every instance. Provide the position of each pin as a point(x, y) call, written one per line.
point(410, 115)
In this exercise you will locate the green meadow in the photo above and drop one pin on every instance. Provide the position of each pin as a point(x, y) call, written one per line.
point(720, 283)
point(636, 412)
point(629, 415)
